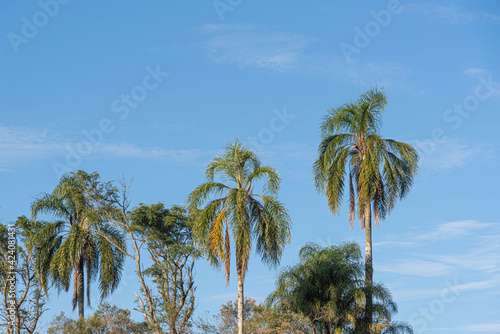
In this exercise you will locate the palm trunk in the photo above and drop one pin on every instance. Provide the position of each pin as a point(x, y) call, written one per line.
point(368, 264)
point(80, 291)
point(241, 300)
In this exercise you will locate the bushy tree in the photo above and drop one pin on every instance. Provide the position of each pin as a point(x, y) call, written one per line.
point(106, 319)
point(258, 319)
point(327, 287)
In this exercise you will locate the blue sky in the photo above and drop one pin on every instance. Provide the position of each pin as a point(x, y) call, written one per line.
point(155, 90)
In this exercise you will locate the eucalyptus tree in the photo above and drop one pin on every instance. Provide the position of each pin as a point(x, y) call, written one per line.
point(380, 171)
point(233, 212)
point(77, 241)
point(169, 241)
point(327, 288)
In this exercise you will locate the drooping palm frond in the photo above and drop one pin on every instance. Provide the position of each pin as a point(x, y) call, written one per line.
point(231, 208)
point(381, 171)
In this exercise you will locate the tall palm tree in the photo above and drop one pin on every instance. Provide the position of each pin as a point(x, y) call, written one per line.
point(71, 244)
point(239, 214)
point(380, 171)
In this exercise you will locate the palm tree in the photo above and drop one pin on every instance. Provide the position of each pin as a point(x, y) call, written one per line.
point(380, 170)
point(327, 288)
point(74, 243)
point(237, 210)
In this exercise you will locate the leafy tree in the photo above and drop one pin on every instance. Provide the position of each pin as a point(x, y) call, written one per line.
point(226, 322)
point(61, 324)
point(113, 320)
point(380, 171)
point(106, 319)
point(77, 242)
point(23, 307)
point(327, 287)
point(168, 235)
point(165, 235)
point(258, 319)
point(240, 214)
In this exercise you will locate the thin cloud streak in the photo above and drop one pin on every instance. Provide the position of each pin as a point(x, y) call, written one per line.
point(21, 145)
point(450, 13)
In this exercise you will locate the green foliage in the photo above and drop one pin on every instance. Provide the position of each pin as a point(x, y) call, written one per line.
point(106, 320)
point(78, 241)
point(258, 319)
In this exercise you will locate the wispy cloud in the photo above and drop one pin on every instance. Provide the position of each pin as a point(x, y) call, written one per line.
point(252, 46)
point(482, 75)
point(445, 156)
point(453, 230)
point(450, 13)
point(383, 74)
point(479, 252)
point(427, 293)
point(475, 72)
point(134, 151)
point(21, 145)
point(490, 327)
point(419, 268)
point(395, 243)
point(224, 296)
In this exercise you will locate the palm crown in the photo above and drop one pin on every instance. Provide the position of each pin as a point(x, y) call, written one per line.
point(380, 170)
point(239, 211)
